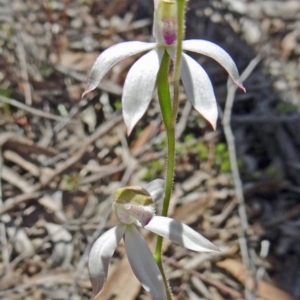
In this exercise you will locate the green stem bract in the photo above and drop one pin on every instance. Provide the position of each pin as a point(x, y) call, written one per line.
point(163, 90)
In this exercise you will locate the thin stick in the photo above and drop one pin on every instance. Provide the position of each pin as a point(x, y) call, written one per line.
point(234, 167)
point(3, 239)
point(32, 110)
point(24, 71)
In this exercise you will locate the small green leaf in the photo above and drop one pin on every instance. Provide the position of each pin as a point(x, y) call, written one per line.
point(163, 90)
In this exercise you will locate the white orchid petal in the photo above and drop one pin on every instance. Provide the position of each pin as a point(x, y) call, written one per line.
point(100, 255)
point(180, 234)
point(156, 189)
point(143, 264)
point(138, 88)
point(199, 89)
point(217, 53)
point(112, 56)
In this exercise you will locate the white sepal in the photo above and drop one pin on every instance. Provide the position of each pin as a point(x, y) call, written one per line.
point(180, 234)
point(112, 56)
point(199, 89)
point(100, 255)
point(138, 88)
point(217, 53)
point(156, 189)
point(143, 264)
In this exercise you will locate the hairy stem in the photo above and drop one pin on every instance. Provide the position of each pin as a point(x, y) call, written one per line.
point(177, 63)
point(164, 97)
point(168, 191)
point(166, 106)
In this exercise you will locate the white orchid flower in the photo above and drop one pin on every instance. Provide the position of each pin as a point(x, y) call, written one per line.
point(140, 81)
point(134, 207)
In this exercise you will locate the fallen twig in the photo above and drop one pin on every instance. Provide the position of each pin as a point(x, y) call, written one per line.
point(24, 73)
point(234, 167)
point(32, 110)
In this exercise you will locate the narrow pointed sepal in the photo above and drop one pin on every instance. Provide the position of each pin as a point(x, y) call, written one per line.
point(100, 255)
point(180, 234)
point(199, 89)
point(111, 56)
point(138, 88)
point(156, 189)
point(218, 54)
point(143, 264)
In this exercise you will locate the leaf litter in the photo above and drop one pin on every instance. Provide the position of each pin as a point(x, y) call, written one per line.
point(63, 157)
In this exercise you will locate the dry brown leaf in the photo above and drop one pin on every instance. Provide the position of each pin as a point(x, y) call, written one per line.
point(79, 61)
point(289, 42)
point(265, 290)
point(190, 212)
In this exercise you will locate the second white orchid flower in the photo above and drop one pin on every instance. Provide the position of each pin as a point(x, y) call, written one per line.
point(140, 81)
point(134, 207)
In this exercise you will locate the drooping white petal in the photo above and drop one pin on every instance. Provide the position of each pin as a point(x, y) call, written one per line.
point(217, 53)
point(180, 234)
point(199, 89)
point(143, 264)
point(100, 256)
point(112, 56)
point(156, 189)
point(139, 86)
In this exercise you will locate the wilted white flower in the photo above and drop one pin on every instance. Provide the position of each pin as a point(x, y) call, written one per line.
point(141, 78)
point(134, 207)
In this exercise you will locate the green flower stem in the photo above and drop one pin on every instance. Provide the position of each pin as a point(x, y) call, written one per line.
point(166, 107)
point(169, 111)
point(177, 64)
point(168, 191)
point(165, 102)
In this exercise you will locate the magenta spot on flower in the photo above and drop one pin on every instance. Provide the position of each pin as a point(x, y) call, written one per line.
point(147, 221)
point(170, 38)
